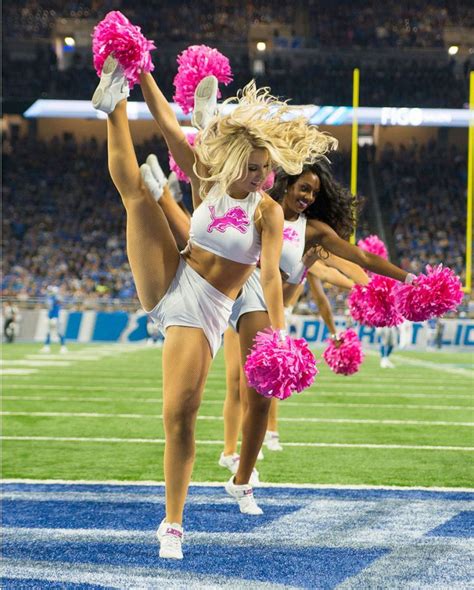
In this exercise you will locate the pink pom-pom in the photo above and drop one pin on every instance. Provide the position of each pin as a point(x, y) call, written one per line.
point(191, 137)
point(430, 295)
point(375, 304)
point(277, 368)
point(116, 34)
point(345, 356)
point(374, 245)
point(269, 181)
point(195, 63)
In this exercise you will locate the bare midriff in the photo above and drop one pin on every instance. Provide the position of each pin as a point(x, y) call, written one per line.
point(223, 274)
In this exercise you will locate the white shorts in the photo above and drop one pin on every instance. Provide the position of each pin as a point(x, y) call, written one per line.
point(251, 299)
point(191, 301)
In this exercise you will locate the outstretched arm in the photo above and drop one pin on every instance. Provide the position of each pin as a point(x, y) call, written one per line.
point(323, 234)
point(164, 116)
point(355, 273)
point(324, 273)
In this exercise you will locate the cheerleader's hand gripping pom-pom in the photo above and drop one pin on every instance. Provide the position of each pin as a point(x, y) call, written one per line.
point(195, 63)
point(374, 245)
point(278, 368)
point(191, 137)
point(375, 304)
point(429, 295)
point(116, 34)
point(344, 355)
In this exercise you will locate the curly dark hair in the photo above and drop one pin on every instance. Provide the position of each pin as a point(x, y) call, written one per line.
point(334, 204)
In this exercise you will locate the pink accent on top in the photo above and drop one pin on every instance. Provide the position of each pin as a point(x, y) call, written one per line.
point(174, 532)
point(248, 492)
point(291, 235)
point(235, 217)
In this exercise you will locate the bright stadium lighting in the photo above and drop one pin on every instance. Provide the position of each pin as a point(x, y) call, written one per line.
point(453, 50)
point(261, 46)
point(69, 41)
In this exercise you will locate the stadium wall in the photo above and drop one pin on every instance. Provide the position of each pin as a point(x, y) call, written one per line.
point(121, 326)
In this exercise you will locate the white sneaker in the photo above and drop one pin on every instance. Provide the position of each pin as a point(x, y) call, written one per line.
point(385, 363)
point(272, 441)
point(63, 350)
point(170, 535)
point(254, 478)
point(230, 462)
point(155, 188)
point(156, 170)
point(46, 348)
point(260, 455)
point(244, 496)
point(205, 102)
point(175, 188)
point(112, 88)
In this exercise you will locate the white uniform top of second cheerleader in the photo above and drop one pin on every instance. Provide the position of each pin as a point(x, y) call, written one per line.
point(226, 226)
point(252, 299)
point(294, 235)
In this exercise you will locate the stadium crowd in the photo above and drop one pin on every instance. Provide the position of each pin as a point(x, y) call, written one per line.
point(304, 76)
point(424, 188)
point(61, 223)
point(340, 24)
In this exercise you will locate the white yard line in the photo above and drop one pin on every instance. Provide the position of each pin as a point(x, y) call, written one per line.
point(158, 400)
point(317, 393)
point(433, 366)
point(40, 363)
point(159, 441)
point(17, 372)
point(220, 418)
point(219, 484)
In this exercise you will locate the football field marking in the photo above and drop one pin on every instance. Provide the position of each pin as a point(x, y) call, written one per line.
point(220, 418)
point(319, 394)
point(432, 366)
point(159, 400)
point(159, 441)
point(17, 372)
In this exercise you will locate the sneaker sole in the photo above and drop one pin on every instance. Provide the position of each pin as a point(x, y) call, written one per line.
point(100, 95)
point(205, 89)
point(165, 555)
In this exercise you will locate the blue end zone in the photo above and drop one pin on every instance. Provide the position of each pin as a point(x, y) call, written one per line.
point(362, 494)
point(15, 584)
point(141, 516)
point(305, 567)
point(308, 538)
point(461, 525)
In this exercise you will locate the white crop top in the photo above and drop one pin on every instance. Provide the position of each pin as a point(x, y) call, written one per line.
point(294, 237)
point(226, 227)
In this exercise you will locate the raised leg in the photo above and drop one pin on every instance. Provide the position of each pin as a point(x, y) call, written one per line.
point(151, 248)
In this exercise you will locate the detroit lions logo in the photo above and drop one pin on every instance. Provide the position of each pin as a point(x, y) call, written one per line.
point(235, 217)
point(290, 235)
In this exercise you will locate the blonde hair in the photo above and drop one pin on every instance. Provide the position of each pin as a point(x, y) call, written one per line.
point(259, 121)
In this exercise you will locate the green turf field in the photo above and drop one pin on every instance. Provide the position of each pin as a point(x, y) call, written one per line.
point(411, 426)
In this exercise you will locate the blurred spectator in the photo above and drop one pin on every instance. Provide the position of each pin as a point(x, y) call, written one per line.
point(424, 189)
point(323, 79)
